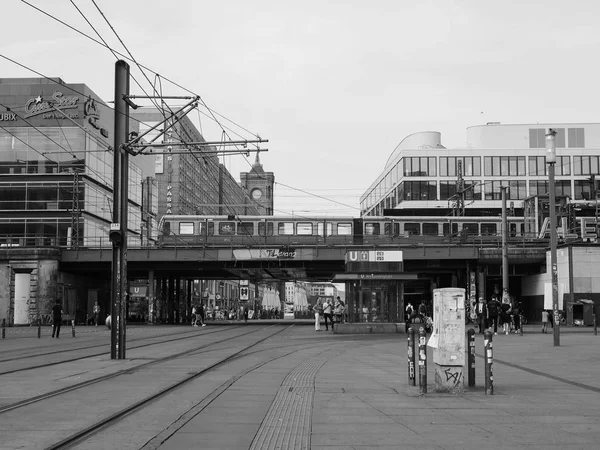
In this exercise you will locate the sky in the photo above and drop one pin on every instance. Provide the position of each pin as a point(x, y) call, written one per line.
point(333, 85)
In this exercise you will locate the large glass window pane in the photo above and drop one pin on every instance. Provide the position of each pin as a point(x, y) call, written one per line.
point(443, 166)
point(411, 229)
point(432, 167)
point(563, 164)
point(226, 228)
point(246, 228)
point(430, 229)
point(327, 225)
point(521, 171)
point(487, 162)
point(344, 229)
point(371, 229)
point(285, 228)
point(304, 228)
point(186, 228)
point(407, 167)
point(451, 166)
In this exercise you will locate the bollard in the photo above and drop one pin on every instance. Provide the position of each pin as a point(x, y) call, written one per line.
point(520, 324)
point(422, 361)
point(73, 327)
point(471, 356)
point(3, 328)
point(412, 379)
point(489, 360)
point(39, 328)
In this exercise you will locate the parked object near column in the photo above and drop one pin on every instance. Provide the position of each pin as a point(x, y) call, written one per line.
point(471, 359)
point(422, 361)
point(448, 339)
point(489, 361)
point(412, 379)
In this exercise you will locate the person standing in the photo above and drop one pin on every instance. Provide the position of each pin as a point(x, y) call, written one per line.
point(516, 314)
point(318, 314)
point(245, 315)
point(493, 312)
point(545, 316)
point(327, 314)
point(96, 311)
point(505, 310)
point(482, 315)
point(200, 314)
point(338, 310)
point(56, 319)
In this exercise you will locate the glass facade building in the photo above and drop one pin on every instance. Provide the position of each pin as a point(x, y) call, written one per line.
point(56, 164)
point(422, 175)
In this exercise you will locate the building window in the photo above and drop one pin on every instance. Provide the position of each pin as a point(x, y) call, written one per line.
point(576, 138)
point(585, 165)
point(537, 165)
point(504, 166)
point(419, 167)
point(419, 190)
point(537, 137)
point(471, 166)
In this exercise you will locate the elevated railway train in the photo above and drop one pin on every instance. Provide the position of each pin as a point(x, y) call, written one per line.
point(192, 230)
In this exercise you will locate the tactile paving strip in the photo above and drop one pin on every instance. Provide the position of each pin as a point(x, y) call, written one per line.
point(287, 423)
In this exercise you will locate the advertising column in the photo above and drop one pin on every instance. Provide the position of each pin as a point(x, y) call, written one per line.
point(448, 338)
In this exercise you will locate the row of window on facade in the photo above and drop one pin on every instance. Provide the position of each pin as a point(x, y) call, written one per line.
point(476, 190)
point(493, 166)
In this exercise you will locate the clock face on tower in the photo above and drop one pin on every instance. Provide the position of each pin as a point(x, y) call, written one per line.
point(256, 194)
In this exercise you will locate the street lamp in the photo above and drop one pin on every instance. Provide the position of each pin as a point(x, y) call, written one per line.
point(551, 161)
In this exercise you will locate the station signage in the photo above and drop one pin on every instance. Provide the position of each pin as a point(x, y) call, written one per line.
point(374, 256)
point(286, 253)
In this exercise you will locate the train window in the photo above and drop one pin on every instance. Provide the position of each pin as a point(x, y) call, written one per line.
point(450, 228)
point(226, 228)
point(246, 228)
point(470, 228)
point(265, 228)
point(412, 229)
point(372, 229)
point(166, 228)
point(284, 228)
point(392, 229)
point(328, 226)
point(344, 229)
point(211, 229)
point(489, 229)
point(304, 228)
point(431, 229)
point(186, 228)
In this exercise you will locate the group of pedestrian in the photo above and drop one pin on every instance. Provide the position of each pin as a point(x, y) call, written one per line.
point(327, 310)
point(506, 313)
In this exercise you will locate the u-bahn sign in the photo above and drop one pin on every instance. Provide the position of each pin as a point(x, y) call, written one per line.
point(374, 256)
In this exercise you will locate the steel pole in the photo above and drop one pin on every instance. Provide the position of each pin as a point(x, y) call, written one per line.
point(504, 241)
point(551, 161)
point(412, 379)
point(120, 200)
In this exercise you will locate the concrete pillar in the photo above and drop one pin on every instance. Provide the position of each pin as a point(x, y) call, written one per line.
point(151, 297)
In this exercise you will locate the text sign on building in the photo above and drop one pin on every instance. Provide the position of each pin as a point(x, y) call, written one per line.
point(374, 256)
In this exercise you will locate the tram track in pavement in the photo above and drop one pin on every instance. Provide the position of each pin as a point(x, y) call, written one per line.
point(92, 430)
point(188, 335)
point(127, 371)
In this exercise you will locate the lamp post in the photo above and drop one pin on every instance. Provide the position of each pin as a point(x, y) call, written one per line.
point(551, 161)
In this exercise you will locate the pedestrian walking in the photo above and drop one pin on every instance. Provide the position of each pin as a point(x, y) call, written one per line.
point(482, 315)
point(516, 315)
point(200, 314)
point(245, 314)
point(545, 316)
point(327, 314)
point(194, 316)
point(505, 310)
point(96, 311)
point(56, 319)
point(493, 313)
point(318, 314)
